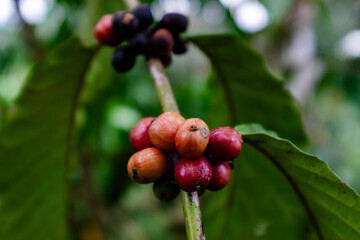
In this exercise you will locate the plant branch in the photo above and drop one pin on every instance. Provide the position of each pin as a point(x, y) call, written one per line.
point(162, 86)
point(28, 35)
point(190, 201)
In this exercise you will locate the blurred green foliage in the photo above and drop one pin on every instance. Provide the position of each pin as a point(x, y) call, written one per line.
point(102, 203)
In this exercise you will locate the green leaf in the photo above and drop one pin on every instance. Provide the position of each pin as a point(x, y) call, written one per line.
point(257, 204)
point(34, 145)
point(332, 209)
point(251, 92)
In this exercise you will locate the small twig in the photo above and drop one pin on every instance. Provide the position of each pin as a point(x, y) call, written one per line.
point(162, 86)
point(132, 3)
point(28, 35)
point(190, 201)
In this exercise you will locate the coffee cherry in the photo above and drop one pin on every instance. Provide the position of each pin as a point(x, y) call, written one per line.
point(193, 174)
point(125, 24)
point(221, 173)
point(165, 189)
point(174, 22)
point(143, 13)
point(163, 129)
point(224, 144)
point(162, 42)
point(123, 59)
point(139, 137)
point(192, 137)
point(180, 44)
point(147, 165)
point(104, 32)
point(140, 43)
point(174, 157)
point(166, 60)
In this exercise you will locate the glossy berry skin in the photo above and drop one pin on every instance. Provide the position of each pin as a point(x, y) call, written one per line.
point(123, 59)
point(143, 13)
point(174, 22)
point(165, 189)
point(125, 24)
point(163, 129)
point(180, 44)
point(192, 138)
point(221, 173)
point(193, 174)
point(224, 145)
point(162, 42)
point(104, 32)
point(139, 137)
point(148, 165)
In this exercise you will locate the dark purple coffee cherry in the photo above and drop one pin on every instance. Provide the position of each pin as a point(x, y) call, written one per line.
point(193, 174)
point(162, 42)
point(174, 22)
point(166, 59)
point(140, 43)
point(224, 145)
point(139, 137)
point(174, 157)
point(123, 59)
point(221, 173)
point(125, 24)
point(143, 13)
point(165, 189)
point(180, 44)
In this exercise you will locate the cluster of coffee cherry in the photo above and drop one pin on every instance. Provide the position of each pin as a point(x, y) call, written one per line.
point(176, 153)
point(135, 29)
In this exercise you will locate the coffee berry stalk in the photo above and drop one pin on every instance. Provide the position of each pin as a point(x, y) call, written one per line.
point(151, 164)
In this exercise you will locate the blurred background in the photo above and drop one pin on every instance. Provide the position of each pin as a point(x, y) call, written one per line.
point(314, 46)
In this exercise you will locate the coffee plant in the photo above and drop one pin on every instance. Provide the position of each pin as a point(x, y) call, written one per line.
point(102, 143)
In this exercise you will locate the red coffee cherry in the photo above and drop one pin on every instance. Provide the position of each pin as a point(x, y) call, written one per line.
point(147, 165)
point(224, 144)
point(104, 32)
point(193, 174)
point(192, 138)
point(162, 42)
point(221, 173)
point(163, 129)
point(139, 137)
